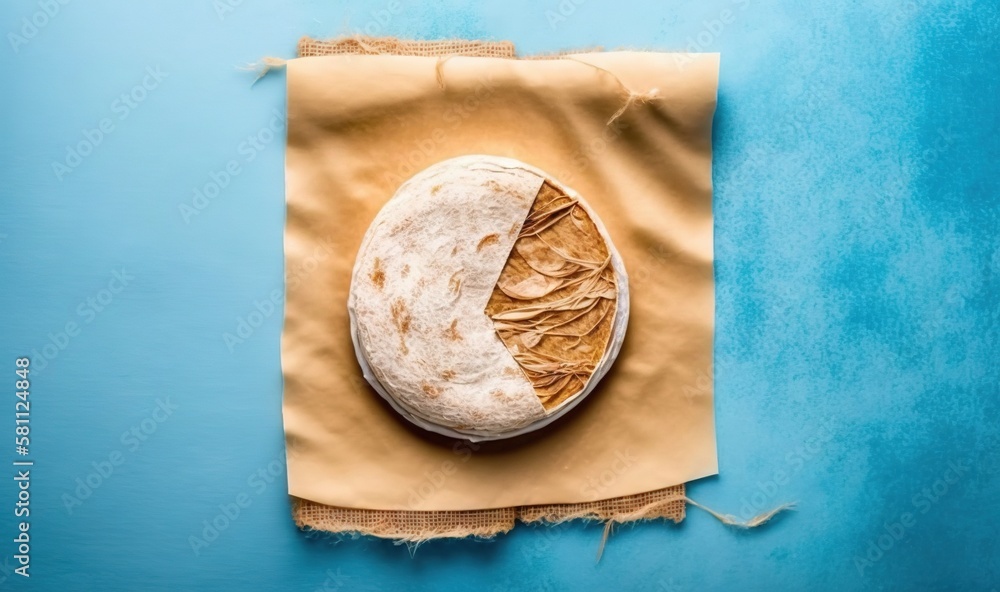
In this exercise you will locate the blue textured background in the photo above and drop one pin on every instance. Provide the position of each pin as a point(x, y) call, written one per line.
point(858, 268)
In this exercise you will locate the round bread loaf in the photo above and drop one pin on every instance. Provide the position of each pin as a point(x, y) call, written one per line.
point(487, 299)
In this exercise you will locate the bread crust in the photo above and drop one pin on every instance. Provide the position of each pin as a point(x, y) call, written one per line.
point(431, 299)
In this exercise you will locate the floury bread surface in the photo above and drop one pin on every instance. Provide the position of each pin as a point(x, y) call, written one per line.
point(472, 313)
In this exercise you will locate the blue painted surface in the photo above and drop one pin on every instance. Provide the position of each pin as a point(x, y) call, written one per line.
point(858, 297)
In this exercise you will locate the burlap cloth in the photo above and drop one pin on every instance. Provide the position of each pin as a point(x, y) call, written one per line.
point(629, 131)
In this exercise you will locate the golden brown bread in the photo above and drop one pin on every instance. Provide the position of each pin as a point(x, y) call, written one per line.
point(554, 304)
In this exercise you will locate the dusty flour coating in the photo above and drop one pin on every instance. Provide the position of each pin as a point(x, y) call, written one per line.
point(423, 276)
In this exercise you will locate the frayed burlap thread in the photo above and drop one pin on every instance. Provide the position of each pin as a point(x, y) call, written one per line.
point(309, 47)
point(401, 525)
point(443, 49)
point(406, 526)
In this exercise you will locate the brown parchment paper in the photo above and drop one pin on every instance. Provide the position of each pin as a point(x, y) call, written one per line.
point(360, 125)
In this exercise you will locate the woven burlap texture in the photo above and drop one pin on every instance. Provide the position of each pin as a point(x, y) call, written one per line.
point(309, 47)
point(416, 527)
